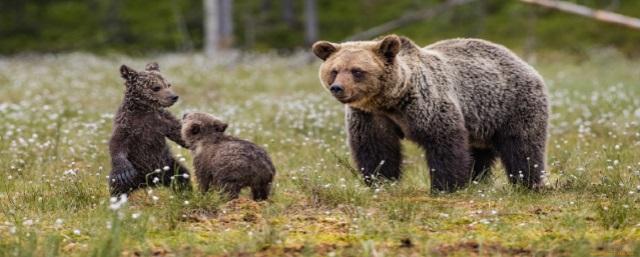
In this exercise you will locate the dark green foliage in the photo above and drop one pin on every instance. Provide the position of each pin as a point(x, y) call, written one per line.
point(132, 25)
point(137, 26)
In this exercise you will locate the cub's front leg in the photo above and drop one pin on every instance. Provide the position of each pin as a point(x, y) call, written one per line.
point(172, 128)
point(124, 178)
point(375, 145)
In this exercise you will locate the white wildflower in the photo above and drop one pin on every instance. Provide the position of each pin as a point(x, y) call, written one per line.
point(58, 223)
point(117, 202)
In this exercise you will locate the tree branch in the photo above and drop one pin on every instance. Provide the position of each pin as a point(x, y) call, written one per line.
point(406, 19)
point(600, 15)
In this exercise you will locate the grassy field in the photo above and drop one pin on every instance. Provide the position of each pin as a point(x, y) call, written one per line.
point(56, 114)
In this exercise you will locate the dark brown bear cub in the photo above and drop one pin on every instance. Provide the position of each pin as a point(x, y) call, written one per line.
point(224, 162)
point(139, 153)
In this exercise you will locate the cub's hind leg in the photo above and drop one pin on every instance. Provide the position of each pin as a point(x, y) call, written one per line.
point(261, 192)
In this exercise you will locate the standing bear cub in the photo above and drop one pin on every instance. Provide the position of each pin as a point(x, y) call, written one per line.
point(224, 162)
point(139, 152)
point(464, 101)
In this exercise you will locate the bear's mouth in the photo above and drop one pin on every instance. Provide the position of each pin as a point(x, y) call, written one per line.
point(168, 102)
point(346, 99)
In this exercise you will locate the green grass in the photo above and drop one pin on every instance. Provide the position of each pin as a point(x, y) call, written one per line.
point(56, 116)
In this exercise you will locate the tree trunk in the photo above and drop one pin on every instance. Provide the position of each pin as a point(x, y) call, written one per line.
point(184, 43)
point(226, 24)
point(112, 23)
point(211, 32)
point(288, 13)
point(311, 27)
point(249, 30)
point(530, 39)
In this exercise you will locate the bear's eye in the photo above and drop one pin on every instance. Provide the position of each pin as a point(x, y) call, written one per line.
point(357, 73)
point(156, 88)
point(333, 75)
point(195, 129)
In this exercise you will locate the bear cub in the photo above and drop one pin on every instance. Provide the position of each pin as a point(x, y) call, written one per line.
point(224, 162)
point(139, 153)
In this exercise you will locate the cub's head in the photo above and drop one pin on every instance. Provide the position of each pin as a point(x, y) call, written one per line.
point(355, 72)
point(148, 86)
point(197, 126)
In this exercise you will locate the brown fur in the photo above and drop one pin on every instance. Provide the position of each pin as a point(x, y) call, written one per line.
point(465, 101)
point(224, 162)
point(138, 148)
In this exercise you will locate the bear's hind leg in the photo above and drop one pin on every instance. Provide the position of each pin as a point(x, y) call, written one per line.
point(231, 191)
point(261, 192)
point(523, 160)
point(483, 159)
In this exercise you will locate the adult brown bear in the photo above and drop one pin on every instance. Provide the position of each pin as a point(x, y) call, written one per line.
point(464, 101)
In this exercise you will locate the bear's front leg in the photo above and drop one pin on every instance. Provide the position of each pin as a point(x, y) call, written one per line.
point(375, 145)
point(445, 141)
point(172, 128)
point(123, 178)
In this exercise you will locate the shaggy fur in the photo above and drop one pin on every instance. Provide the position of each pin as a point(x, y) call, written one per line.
point(464, 101)
point(138, 148)
point(224, 162)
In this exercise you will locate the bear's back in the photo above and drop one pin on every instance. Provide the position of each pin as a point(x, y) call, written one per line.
point(490, 82)
point(235, 155)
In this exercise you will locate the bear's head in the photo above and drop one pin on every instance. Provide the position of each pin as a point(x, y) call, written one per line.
point(197, 126)
point(359, 73)
point(148, 87)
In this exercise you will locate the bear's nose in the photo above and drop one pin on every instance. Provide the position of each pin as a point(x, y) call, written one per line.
point(174, 98)
point(184, 116)
point(336, 89)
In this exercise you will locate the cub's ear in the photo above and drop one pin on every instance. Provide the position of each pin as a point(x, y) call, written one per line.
point(324, 49)
point(221, 127)
point(194, 129)
point(127, 73)
point(152, 66)
point(389, 47)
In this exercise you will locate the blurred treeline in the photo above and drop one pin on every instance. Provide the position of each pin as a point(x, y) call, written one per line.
point(147, 26)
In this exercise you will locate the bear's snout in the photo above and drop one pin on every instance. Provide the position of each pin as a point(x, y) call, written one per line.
point(336, 89)
point(174, 98)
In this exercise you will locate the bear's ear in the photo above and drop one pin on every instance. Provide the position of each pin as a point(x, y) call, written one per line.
point(152, 66)
point(221, 127)
point(389, 47)
point(127, 73)
point(324, 49)
point(194, 129)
